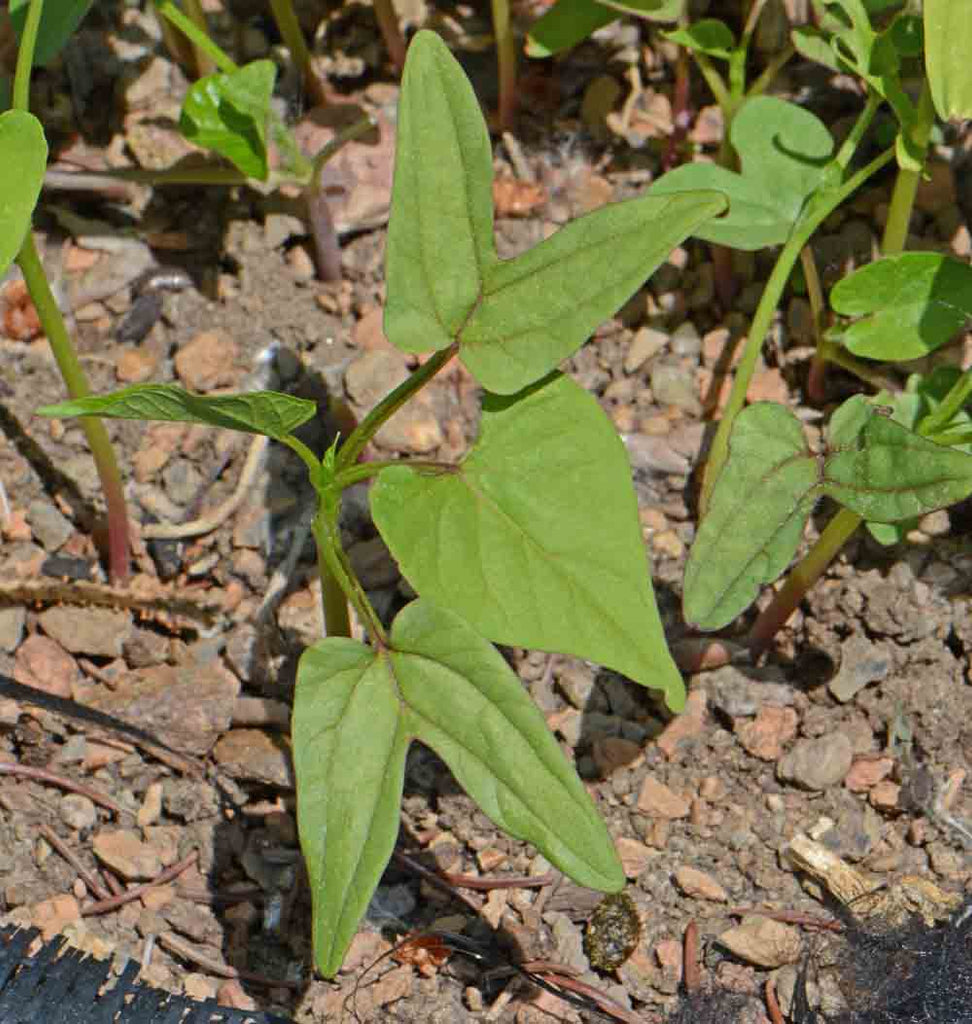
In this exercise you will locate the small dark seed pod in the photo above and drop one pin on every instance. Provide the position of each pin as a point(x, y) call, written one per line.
point(613, 932)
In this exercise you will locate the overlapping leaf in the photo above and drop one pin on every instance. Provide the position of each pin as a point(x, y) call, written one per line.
point(355, 712)
point(534, 538)
point(566, 24)
point(709, 36)
point(256, 412)
point(756, 515)
point(908, 305)
point(771, 480)
point(783, 151)
point(229, 114)
point(948, 43)
point(888, 473)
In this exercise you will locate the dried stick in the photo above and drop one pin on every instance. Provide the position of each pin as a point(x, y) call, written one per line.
point(83, 873)
point(108, 903)
point(42, 775)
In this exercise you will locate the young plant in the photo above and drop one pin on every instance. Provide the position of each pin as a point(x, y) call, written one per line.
point(531, 540)
point(886, 461)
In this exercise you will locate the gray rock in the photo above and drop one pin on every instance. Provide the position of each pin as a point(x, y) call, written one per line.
point(48, 525)
point(99, 631)
point(818, 763)
point(861, 663)
point(12, 622)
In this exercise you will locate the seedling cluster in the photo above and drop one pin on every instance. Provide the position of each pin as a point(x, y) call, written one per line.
point(532, 539)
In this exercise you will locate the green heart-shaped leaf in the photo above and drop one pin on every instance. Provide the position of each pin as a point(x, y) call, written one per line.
point(23, 160)
point(909, 305)
point(517, 319)
point(783, 151)
point(229, 114)
point(534, 538)
point(889, 473)
point(755, 519)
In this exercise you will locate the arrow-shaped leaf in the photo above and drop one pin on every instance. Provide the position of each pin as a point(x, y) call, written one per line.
point(355, 712)
point(534, 538)
point(909, 305)
point(256, 412)
point(440, 235)
point(756, 515)
point(783, 151)
point(350, 739)
point(466, 703)
point(538, 308)
point(514, 320)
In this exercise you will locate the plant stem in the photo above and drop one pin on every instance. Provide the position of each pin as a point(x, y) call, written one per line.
point(391, 32)
point(817, 209)
point(716, 86)
point(53, 324)
point(199, 38)
point(177, 44)
point(903, 197)
point(390, 404)
point(366, 470)
point(802, 577)
point(849, 146)
point(769, 73)
point(77, 386)
point(205, 64)
point(818, 364)
point(337, 621)
point(338, 580)
point(506, 63)
point(293, 37)
point(25, 56)
point(957, 397)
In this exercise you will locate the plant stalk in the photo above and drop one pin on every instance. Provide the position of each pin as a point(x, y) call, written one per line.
point(197, 36)
point(389, 405)
point(391, 32)
point(52, 322)
point(506, 64)
point(77, 386)
point(293, 37)
point(338, 581)
point(816, 211)
point(204, 62)
point(802, 577)
point(906, 185)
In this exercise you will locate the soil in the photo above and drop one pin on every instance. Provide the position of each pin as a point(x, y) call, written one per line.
point(855, 728)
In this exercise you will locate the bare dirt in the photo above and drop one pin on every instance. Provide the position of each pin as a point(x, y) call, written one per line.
point(857, 727)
